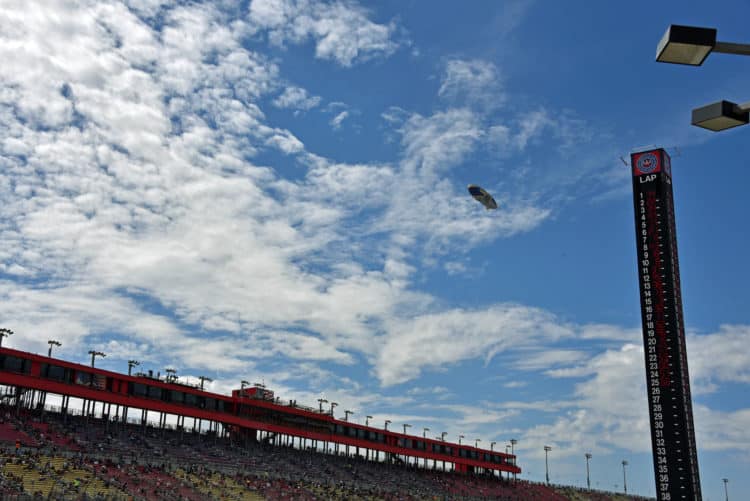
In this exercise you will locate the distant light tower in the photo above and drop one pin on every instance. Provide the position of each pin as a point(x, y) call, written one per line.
point(243, 383)
point(333, 404)
point(387, 421)
point(624, 478)
point(476, 442)
point(131, 364)
point(513, 443)
point(492, 446)
point(442, 436)
point(346, 415)
point(367, 420)
point(547, 448)
point(406, 425)
point(459, 439)
point(726, 491)
point(52, 343)
point(95, 354)
point(322, 401)
point(588, 478)
point(171, 375)
point(424, 432)
point(4, 333)
point(204, 378)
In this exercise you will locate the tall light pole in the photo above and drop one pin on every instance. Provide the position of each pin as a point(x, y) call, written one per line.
point(691, 45)
point(333, 404)
point(243, 383)
point(406, 425)
point(4, 333)
point(387, 421)
point(513, 443)
point(424, 432)
point(492, 446)
point(322, 401)
point(459, 439)
point(442, 436)
point(367, 420)
point(171, 375)
point(346, 415)
point(204, 378)
point(52, 343)
point(476, 443)
point(547, 448)
point(726, 491)
point(131, 364)
point(624, 478)
point(95, 354)
point(588, 478)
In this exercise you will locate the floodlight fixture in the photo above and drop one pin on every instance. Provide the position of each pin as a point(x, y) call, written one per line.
point(691, 45)
point(51, 343)
point(721, 115)
point(4, 333)
point(95, 354)
point(204, 378)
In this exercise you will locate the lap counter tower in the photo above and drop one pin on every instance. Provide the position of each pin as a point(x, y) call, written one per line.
point(667, 381)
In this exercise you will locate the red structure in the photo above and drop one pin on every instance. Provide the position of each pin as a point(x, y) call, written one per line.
point(250, 414)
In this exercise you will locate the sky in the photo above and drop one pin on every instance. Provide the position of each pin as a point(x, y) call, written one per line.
point(275, 191)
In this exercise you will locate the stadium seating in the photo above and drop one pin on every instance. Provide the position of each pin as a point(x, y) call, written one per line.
point(75, 457)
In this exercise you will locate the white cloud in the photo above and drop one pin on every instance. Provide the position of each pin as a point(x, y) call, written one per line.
point(476, 82)
point(338, 119)
point(296, 98)
point(456, 335)
point(341, 31)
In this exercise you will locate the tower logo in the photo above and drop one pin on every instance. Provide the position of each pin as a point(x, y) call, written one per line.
point(647, 163)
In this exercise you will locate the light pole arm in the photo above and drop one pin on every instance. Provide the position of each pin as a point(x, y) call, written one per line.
point(741, 49)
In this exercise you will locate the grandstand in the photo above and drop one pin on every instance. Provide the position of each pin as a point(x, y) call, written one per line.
point(67, 453)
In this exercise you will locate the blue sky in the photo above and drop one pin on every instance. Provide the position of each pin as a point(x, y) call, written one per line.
point(275, 190)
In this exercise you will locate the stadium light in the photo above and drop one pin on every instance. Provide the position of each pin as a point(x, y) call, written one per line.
point(243, 383)
point(95, 354)
point(624, 478)
point(386, 423)
point(171, 375)
point(322, 401)
point(691, 45)
point(476, 442)
point(547, 448)
point(367, 420)
point(721, 115)
point(442, 436)
point(459, 439)
point(204, 378)
point(492, 446)
point(52, 343)
point(424, 432)
point(131, 364)
point(346, 417)
point(726, 491)
point(405, 427)
point(4, 333)
point(588, 478)
point(333, 404)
